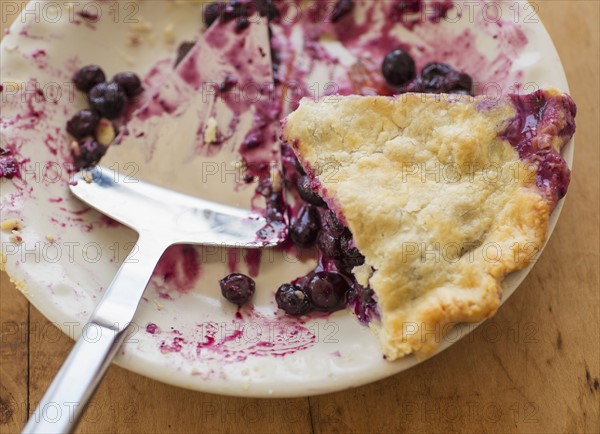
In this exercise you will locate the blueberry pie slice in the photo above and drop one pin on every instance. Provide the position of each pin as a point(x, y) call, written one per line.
point(444, 195)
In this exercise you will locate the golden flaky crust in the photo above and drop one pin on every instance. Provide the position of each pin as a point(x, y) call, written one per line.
point(440, 206)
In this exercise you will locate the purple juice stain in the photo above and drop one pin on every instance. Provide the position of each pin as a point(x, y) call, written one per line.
point(178, 268)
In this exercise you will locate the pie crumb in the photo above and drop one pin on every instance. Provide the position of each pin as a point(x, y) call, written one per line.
point(50, 238)
point(11, 225)
point(210, 133)
point(168, 34)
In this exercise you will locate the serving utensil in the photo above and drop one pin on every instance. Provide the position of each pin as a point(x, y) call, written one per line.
point(161, 218)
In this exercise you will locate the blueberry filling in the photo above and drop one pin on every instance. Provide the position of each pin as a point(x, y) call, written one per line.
point(237, 288)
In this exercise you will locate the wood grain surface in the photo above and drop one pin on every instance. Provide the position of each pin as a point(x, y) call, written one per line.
point(534, 367)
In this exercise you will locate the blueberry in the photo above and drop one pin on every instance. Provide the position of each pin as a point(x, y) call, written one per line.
point(182, 51)
point(327, 291)
point(108, 99)
point(307, 194)
point(212, 12)
point(237, 288)
point(398, 67)
point(341, 9)
point(305, 226)
point(88, 154)
point(83, 123)
point(129, 82)
point(88, 77)
point(329, 245)
point(292, 300)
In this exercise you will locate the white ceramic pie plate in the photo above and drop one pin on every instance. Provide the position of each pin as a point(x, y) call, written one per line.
point(64, 279)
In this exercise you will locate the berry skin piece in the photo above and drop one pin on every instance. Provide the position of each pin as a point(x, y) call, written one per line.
point(292, 300)
point(88, 77)
point(83, 123)
point(108, 99)
point(398, 67)
point(237, 288)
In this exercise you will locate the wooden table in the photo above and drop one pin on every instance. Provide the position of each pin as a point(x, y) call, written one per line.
point(534, 367)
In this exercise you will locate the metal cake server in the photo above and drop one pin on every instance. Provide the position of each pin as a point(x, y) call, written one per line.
point(162, 218)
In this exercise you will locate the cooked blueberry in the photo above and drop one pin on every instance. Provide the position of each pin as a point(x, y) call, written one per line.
point(327, 291)
point(292, 300)
point(88, 77)
point(88, 153)
point(341, 8)
point(183, 49)
point(83, 123)
point(212, 12)
point(307, 194)
point(266, 8)
point(305, 226)
point(398, 67)
point(129, 82)
point(237, 288)
point(329, 245)
point(108, 99)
